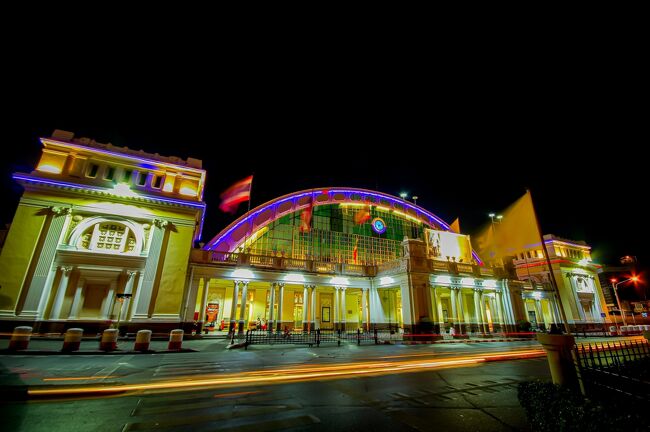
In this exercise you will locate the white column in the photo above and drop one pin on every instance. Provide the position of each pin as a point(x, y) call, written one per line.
point(269, 324)
point(109, 301)
point(599, 308)
point(313, 307)
point(336, 307)
point(38, 290)
point(454, 306)
point(343, 308)
point(128, 289)
point(539, 311)
point(441, 316)
point(233, 307)
point(305, 307)
point(477, 310)
point(145, 286)
point(280, 301)
point(364, 309)
point(76, 302)
point(242, 310)
point(461, 309)
point(60, 292)
point(204, 300)
point(481, 301)
point(499, 306)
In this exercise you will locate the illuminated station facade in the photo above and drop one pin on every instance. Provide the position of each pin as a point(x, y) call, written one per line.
point(105, 233)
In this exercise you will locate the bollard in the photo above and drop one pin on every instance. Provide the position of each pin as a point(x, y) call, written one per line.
point(72, 339)
point(560, 359)
point(175, 339)
point(20, 338)
point(109, 340)
point(142, 340)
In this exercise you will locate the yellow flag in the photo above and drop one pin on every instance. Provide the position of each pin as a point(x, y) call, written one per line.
point(513, 233)
point(518, 228)
point(455, 226)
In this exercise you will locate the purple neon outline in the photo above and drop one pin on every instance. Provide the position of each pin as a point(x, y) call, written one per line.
point(249, 216)
point(33, 179)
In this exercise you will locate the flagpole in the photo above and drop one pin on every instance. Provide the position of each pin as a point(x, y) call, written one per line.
point(250, 192)
point(550, 268)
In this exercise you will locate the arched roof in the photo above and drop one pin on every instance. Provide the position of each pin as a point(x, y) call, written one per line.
point(230, 238)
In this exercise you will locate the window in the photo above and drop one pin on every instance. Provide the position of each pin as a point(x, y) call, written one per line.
point(108, 237)
point(126, 176)
point(142, 178)
point(109, 173)
point(92, 170)
point(156, 182)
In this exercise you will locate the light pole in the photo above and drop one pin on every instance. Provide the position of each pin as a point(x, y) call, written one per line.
point(618, 301)
point(415, 199)
point(403, 195)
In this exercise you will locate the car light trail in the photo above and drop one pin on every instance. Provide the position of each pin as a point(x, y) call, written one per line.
point(289, 375)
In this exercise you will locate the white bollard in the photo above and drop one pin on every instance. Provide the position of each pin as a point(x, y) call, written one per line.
point(109, 340)
point(20, 338)
point(72, 339)
point(175, 339)
point(142, 340)
point(612, 331)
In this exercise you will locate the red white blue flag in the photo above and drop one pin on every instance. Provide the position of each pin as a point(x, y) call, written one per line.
point(235, 195)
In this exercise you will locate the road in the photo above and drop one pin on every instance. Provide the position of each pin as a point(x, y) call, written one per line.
point(390, 387)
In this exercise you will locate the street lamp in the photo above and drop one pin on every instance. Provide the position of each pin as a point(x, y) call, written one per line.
point(403, 195)
point(121, 297)
point(415, 199)
point(615, 285)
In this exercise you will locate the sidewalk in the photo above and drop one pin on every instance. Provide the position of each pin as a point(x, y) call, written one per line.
point(90, 346)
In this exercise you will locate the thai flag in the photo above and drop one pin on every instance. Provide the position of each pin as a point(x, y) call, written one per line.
point(236, 194)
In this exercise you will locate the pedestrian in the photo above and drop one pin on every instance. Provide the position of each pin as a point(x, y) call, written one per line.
point(258, 323)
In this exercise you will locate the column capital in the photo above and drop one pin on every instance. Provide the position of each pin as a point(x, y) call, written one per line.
point(66, 269)
point(281, 284)
point(59, 211)
point(160, 223)
point(477, 289)
point(130, 273)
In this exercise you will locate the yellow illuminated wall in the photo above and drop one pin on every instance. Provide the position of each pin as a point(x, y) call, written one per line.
point(17, 252)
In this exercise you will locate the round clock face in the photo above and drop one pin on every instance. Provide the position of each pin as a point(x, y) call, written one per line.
point(378, 225)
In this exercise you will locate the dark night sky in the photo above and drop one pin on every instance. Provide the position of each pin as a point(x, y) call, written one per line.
point(465, 144)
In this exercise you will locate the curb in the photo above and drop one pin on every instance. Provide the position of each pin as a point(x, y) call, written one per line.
point(464, 341)
point(115, 352)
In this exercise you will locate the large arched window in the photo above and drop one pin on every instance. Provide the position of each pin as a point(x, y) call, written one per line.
point(108, 236)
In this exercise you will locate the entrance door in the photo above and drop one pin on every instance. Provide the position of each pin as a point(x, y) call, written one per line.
point(94, 296)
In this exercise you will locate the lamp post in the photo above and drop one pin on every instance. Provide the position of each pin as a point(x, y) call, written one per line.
point(415, 199)
point(121, 297)
point(615, 284)
point(403, 195)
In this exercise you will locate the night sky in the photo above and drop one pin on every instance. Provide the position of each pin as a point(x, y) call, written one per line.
point(464, 152)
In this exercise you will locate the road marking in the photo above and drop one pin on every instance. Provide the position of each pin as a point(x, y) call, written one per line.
point(194, 420)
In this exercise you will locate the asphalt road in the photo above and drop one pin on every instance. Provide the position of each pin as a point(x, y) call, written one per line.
point(476, 396)
point(378, 388)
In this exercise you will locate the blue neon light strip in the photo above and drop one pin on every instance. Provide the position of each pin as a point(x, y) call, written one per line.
point(37, 180)
point(249, 217)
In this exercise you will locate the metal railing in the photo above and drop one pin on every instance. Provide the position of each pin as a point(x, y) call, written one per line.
point(617, 367)
point(286, 263)
point(318, 337)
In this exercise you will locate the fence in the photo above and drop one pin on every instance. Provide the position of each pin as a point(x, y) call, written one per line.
point(318, 337)
point(621, 367)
